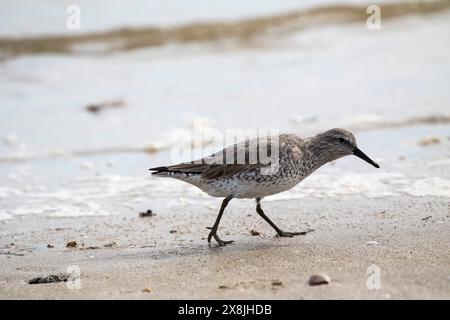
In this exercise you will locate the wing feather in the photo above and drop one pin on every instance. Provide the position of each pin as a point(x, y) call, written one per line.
point(218, 165)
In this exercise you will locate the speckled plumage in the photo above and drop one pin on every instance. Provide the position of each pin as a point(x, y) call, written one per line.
point(297, 158)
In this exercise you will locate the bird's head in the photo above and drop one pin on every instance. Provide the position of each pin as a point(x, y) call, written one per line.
point(341, 143)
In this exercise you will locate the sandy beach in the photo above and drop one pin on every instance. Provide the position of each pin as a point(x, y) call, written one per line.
point(407, 238)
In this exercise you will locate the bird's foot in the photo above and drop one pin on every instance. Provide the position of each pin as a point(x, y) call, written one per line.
point(221, 242)
point(282, 233)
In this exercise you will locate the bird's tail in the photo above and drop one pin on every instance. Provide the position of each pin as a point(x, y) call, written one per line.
point(180, 170)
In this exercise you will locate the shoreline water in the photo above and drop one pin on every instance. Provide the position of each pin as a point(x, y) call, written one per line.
point(111, 184)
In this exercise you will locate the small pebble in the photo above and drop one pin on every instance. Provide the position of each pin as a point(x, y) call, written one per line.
point(109, 245)
point(50, 246)
point(318, 279)
point(173, 231)
point(148, 213)
point(372, 243)
point(255, 233)
point(277, 283)
point(93, 108)
point(146, 290)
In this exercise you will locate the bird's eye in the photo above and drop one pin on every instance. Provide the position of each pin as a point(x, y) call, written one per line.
point(342, 140)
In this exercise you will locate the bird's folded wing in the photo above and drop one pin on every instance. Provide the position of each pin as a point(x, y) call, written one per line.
point(213, 171)
point(233, 160)
point(227, 170)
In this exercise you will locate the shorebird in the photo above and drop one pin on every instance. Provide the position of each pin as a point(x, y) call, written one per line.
point(296, 159)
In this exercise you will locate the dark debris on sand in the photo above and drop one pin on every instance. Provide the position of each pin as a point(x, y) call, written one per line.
point(53, 278)
point(110, 245)
point(148, 213)
point(71, 244)
point(277, 283)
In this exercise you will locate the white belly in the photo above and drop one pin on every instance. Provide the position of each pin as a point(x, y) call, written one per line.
point(246, 188)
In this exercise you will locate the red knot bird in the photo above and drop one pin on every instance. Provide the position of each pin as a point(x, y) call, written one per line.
point(295, 159)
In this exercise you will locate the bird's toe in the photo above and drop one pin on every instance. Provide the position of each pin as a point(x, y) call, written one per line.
point(291, 234)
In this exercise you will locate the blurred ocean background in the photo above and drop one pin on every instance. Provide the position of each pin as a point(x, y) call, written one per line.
point(84, 113)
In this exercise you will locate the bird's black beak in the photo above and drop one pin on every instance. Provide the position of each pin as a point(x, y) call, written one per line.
point(363, 156)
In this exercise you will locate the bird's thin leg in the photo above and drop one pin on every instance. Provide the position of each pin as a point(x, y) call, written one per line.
point(213, 232)
point(280, 232)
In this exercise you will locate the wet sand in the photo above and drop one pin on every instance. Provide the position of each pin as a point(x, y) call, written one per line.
point(406, 237)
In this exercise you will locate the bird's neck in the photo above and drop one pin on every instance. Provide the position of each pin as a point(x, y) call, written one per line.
point(317, 153)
